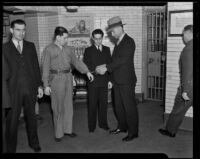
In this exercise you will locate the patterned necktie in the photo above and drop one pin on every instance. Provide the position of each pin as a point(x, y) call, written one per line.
point(19, 47)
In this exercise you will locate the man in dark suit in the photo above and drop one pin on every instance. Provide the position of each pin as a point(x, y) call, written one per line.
point(95, 55)
point(24, 83)
point(123, 72)
point(184, 96)
point(6, 99)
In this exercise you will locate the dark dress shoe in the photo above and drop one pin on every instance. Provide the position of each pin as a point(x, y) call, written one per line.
point(166, 133)
point(58, 139)
point(117, 131)
point(38, 117)
point(36, 149)
point(70, 135)
point(129, 138)
point(105, 128)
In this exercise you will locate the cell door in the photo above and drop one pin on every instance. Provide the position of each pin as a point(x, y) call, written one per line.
point(156, 52)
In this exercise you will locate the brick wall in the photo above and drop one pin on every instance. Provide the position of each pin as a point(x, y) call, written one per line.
point(174, 48)
point(132, 16)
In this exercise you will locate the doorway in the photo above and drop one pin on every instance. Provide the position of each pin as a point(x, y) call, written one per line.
point(156, 53)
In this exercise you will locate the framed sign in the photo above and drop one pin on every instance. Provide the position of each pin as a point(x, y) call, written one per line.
point(178, 20)
point(6, 21)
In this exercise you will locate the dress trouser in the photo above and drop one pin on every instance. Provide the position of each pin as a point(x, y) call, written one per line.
point(3, 130)
point(98, 103)
point(62, 103)
point(126, 108)
point(23, 96)
point(178, 112)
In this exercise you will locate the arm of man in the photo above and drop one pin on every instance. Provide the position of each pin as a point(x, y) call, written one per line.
point(187, 69)
point(5, 72)
point(109, 60)
point(78, 64)
point(87, 60)
point(125, 56)
point(37, 67)
point(46, 67)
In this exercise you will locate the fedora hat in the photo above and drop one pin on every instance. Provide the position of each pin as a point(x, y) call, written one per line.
point(113, 22)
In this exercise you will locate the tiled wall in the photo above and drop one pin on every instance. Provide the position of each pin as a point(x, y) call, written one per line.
point(174, 48)
point(132, 16)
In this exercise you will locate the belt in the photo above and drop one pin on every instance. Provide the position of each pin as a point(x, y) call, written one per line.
point(59, 71)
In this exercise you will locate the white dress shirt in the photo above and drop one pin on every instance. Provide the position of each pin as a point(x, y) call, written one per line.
point(16, 43)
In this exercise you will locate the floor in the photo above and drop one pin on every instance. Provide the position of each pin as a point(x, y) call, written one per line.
point(149, 141)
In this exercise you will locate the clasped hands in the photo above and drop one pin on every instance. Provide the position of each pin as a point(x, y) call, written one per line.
point(101, 69)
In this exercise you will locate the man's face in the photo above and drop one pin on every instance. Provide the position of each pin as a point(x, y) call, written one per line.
point(116, 32)
point(82, 24)
point(187, 36)
point(18, 31)
point(98, 39)
point(63, 39)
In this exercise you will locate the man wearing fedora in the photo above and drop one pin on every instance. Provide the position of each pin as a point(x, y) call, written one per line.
point(124, 80)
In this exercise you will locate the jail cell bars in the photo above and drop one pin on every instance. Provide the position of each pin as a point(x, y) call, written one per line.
point(156, 48)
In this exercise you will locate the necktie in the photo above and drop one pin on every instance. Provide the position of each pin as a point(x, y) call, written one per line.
point(99, 49)
point(19, 47)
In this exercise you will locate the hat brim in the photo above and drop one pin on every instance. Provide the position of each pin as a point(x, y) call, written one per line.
point(109, 29)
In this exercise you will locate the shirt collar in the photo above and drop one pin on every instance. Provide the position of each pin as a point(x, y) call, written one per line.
point(16, 42)
point(100, 47)
point(120, 38)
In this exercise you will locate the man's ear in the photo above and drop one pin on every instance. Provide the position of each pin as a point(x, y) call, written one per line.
point(11, 30)
point(58, 38)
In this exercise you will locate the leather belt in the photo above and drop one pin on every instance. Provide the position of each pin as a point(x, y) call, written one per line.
point(59, 71)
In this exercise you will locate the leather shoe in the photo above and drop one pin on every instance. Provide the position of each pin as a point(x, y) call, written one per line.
point(129, 138)
point(105, 128)
point(58, 139)
point(71, 135)
point(166, 133)
point(37, 148)
point(117, 131)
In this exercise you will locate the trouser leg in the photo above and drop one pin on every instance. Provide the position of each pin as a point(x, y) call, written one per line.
point(131, 111)
point(119, 109)
point(68, 105)
point(12, 121)
point(178, 112)
point(30, 118)
point(92, 107)
point(57, 104)
point(103, 105)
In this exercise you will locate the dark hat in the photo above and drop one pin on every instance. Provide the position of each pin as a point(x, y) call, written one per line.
point(113, 22)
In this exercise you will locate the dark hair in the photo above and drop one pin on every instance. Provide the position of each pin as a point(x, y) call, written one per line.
point(97, 31)
point(59, 31)
point(17, 21)
point(188, 28)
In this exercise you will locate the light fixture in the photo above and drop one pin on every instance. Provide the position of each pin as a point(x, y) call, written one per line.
point(71, 8)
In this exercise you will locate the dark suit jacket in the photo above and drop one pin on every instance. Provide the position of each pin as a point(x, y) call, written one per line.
point(186, 68)
point(122, 65)
point(5, 76)
point(93, 58)
point(11, 55)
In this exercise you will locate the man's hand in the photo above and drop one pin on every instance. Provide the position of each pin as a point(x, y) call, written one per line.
point(90, 76)
point(109, 85)
point(47, 91)
point(101, 69)
point(185, 96)
point(40, 93)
